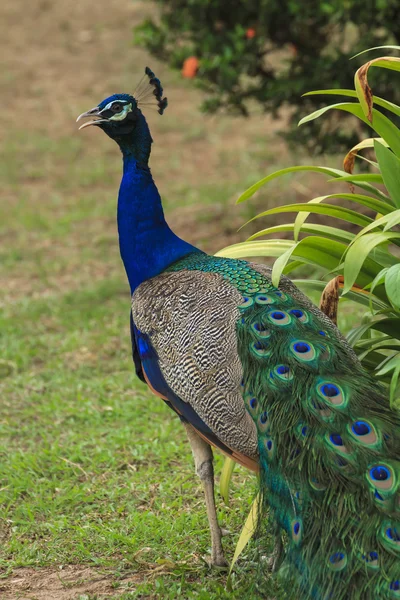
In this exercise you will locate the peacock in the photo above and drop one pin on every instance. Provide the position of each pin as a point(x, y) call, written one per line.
point(260, 373)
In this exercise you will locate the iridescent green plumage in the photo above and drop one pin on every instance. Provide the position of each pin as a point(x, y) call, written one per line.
point(328, 441)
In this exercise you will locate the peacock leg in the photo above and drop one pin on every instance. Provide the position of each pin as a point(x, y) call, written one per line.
point(278, 555)
point(203, 459)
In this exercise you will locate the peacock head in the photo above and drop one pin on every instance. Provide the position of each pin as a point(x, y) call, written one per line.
point(119, 115)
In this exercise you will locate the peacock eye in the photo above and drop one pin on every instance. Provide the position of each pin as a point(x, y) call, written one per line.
point(116, 108)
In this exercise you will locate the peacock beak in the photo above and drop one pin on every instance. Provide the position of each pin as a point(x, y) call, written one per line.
point(93, 112)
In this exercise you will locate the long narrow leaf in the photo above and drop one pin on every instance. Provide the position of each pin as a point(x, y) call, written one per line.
point(363, 89)
point(303, 216)
point(372, 203)
point(392, 220)
point(376, 205)
point(339, 212)
point(378, 223)
point(392, 285)
point(389, 364)
point(225, 479)
point(378, 280)
point(253, 189)
point(325, 230)
point(247, 532)
point(350, 158)
point(359, 251)
point(394, 108)
point(380, 123)
point(374, 177)
point(390, 168)
point(389, 326)
point(256, 248)
point(294, 264)
point(281, 263)
point(393, 385)
point(376, 48)
point(316, 169)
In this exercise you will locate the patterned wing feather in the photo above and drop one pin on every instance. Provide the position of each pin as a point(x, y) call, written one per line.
point(190, 321)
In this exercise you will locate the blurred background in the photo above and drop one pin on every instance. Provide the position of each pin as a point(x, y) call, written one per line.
point(94, 472)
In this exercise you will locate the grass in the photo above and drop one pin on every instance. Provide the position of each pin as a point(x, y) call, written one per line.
point(95, 471)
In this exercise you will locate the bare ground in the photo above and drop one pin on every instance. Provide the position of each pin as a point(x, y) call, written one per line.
point(72, 582)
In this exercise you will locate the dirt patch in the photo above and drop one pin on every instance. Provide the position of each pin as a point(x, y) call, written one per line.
point(71, 582)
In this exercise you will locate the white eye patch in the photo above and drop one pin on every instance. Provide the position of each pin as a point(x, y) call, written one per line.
point(122, 114)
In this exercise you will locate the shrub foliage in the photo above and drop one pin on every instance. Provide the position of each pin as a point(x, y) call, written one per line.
point(271, 51)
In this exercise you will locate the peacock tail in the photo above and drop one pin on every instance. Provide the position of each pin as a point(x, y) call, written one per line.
point(328, 440)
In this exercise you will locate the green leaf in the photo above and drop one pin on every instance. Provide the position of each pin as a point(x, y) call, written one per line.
point(373, 344)
point(372, 203)
point(386, 62)
point(247, 532)
point(380, 123)
point(375, 48)
point(256, 186)
point(376, 205)
point(390, 168)
point(379, 279)
point(225, 479)
point(390, 363)
point(325, 230)
point(339, 212)
point(393, 384)
point(302, 216)
point(389, 326)
point(392, 220)
point(371, 362)
point(374, 177)
point(255, 248)
point(355, 334)
point(294, 264)
point(378, 223)
point(335, 173)
point(394, 108)
point(280, 264)
point(392, 285)
point(359, 251)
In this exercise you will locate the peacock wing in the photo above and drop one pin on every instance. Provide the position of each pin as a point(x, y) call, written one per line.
point(185, 325)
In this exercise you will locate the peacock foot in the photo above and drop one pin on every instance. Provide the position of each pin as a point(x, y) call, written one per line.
point(216, 561)
point(275, 561)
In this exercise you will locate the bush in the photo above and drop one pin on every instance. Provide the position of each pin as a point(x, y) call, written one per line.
point(271, 51)
point(368, 261)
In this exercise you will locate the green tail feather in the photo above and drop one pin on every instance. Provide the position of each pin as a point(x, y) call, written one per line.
point(329, 448)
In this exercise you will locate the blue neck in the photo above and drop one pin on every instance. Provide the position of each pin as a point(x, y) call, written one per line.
point(147, 244)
